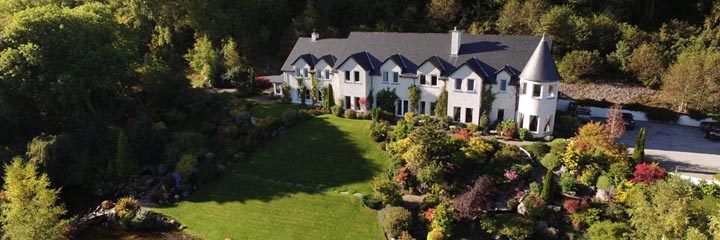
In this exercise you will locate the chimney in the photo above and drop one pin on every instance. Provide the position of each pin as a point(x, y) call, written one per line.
point(455, 42)
point(314, 36)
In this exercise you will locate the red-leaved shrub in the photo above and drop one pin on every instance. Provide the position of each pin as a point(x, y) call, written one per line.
point(572, 206)
point(648, 173)
point(463, 134)
point(428, 214)
point(403, 176)
point(262, 83)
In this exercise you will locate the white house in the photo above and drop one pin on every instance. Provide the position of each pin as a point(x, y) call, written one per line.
point(364, 63)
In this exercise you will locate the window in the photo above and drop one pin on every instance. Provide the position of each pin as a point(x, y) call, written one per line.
point(307, 94)
point(458, 84)
point(521, 120)
point(297, 72)
point(319, 74)
point(406, 104)
point(456, 114)
point(547, 123)
point(398, 108)
point(432, 108)
point(347, 102)
point(471, 85)
point(422, 107)
point(278, 89)
point(468, 115)
point(533, 123)
point(347, 76)
point(551, 90)
point(536, 90)
point(522, 90)
point(402, 107)
point(396, 77)
point(503, 85)
point(422, 80)
point(385, 77)
point(327, 73)
point(357, 76)
point(319, 95)
point(433, 80)
point(305, 72)
point(500, 115)
point(357, 103)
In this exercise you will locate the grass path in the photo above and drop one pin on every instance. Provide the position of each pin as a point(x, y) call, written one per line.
point(333, 152)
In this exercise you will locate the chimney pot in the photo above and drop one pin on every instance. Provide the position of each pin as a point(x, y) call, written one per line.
point(314, 36)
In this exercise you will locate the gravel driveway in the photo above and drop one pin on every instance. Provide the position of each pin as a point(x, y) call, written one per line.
point(678, 148)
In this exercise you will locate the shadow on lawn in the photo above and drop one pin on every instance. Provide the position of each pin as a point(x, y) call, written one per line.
point(316, 154)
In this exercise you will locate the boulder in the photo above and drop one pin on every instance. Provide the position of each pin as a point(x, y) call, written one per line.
point(603, 195)
point(107, 204)
point(522, 209)
point(243, 118)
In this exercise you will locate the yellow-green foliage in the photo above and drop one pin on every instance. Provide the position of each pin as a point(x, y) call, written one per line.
point(387, 190)
point(571, 158)
point(436, 234)
point(185, 166)
point(409, 117)
point(477, 149)
point(127, 207)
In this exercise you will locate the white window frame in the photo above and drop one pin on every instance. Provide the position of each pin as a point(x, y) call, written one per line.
point(551, 91)
point(347, 76)
point(396, 77)
point(470, 85)
point(503, 85)
point(433, 80)
point(327, 74)
point(423, 79)
point(306, 72)
point(539, 92)
point(458, 84)
point(356, 75)
point(385, 77)
point(523, 88)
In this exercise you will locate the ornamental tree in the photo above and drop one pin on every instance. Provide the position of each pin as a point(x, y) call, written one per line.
point(648, 173)
point(474, 203)
point(615, 126)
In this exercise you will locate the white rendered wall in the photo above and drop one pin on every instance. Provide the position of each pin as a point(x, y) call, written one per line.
point(429, 93)
point(543, 107)
point(503, 100)
point(401, 87)
point(299, 64)
point(463, 98)
point(351, 88)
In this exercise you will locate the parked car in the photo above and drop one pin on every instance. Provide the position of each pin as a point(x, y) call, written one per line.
point(705, 125)
point(583, 114)
point(629, 121)
point(713, 131)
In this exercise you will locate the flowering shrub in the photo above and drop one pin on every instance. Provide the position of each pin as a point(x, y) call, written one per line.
point(511, 175)
point(262, 83)
point(463, 134)
point(648, 173)
point(403, 176)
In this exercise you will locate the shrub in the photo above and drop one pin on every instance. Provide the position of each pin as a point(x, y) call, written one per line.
point(379, 130)
point(579, 65)
point(349, 114)
point(372, 201)
point(661, 115)
point(127, 207)
point(484, 122)
point(648, 173)
point(588, 177)
point(186, 165)
point(207, 171)
point(386, 99)
point(436, 234)
point(229, 131)
point(619, 172)
point(716, 177)
point(708, 189)
point(442, 220)
point(472, 127)
point(608, 230)
point(523, 134)
point(550, 161)
point(289, 117)
point(565, 126)
point(587, 217)
point(396, 220)
point(568, 184)
point(477, 201)
point(603, 182)
point(518, 227)
point(405, 235)
point(547, 193)
point(558, 146)
point(208, 127)
point(638, 154)
point(571, 205)
point(507, 128)
point(305, 114)
point(463, 134)
point(387, 190)
point(535, 188)
point(402, 129)
point(337, 110)
point(537, 150)
point(375, 113)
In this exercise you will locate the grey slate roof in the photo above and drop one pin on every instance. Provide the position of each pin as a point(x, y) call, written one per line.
point(366, 60)
point(478, 68)
point(274, 78)
point(541, 67)
point(494, 50)
point(329, 59)
point(406, 66)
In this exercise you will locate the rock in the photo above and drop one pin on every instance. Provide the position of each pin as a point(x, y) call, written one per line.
point(220, 168)
point(243, 118)
point(522, 209)
point(344, 193)
point(107, 204)
point(209, 156)
point(357, 195)
point(603, 195)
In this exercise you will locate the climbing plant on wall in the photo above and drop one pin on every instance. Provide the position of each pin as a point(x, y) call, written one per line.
point(314, 89)
point(488, 97)
point(301, 90)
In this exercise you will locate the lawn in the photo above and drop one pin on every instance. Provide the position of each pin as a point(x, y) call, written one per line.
point(327, 152)
point(274, 109)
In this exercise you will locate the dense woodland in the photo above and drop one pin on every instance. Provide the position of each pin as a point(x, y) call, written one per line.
point(84, 84)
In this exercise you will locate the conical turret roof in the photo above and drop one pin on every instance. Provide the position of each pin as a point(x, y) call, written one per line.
point(541, 67)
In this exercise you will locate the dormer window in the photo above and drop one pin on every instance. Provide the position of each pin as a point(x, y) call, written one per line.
point(423, 80)
point(306, 71)
point(433, 80)
point(471, 85)
point(385, 77)
point(297, 72)
point(503, 85)
point(357, 76)
point(319, 75)
point(396, 77)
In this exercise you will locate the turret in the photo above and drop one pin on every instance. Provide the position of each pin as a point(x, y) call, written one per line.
point(537, 100)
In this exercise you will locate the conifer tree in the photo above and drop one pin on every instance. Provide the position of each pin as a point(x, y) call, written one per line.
point(30, 211)
point(441, 105)
point(125, 162)
point(639, 151)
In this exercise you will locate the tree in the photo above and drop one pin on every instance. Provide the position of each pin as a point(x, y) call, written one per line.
point(387, 190)
point(615, 126)
point(520, 18)
point(609, 230)
point(414, 92)
point(661, 210)
point(477, 201)
point(125, 163)
point(694, 80)
point(147, 140)
point(31, 211)
point(648, 173)
point(396, 220)
point(386, 99)
point(204, 60)
point(68, 64)
point(547, 193)
point(579, 66)
point(442, 102)
point(443, 12)
point(647, 64)
point(164, 87)
point(329, 98)
point(638, 155)
point(557, 22)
